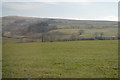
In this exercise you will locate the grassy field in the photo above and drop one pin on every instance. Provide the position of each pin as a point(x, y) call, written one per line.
point(75, 59)
point(108, 32)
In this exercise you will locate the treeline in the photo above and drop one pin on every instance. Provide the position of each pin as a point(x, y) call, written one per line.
point(58, 36)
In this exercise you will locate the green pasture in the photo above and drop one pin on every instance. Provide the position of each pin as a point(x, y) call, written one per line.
point(74, 59)
point(90, 32)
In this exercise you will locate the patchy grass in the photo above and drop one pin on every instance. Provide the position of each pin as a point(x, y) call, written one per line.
point(78, 59)
point(108, 32)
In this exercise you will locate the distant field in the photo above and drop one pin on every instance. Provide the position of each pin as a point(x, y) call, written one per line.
point(108, 32)
point(74, 59)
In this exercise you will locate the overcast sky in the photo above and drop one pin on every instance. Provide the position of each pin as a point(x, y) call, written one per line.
point(70, 9)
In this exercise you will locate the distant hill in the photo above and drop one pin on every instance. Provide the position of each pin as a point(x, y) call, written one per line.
point(19, 22)
point(18, 26)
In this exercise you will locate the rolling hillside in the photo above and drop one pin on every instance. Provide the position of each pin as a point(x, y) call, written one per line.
point(17, 26)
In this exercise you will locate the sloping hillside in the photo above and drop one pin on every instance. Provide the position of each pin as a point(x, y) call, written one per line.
point(62, 28)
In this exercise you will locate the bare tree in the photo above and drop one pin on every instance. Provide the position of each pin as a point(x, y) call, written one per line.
point(98, 35)
point(73, 37)
point(39, 28)
point(81, 32)
point(101, 35)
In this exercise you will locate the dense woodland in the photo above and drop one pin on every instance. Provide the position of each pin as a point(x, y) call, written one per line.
point(29, 29)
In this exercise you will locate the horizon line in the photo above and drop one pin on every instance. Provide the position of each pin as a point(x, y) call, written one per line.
point(61, 18)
